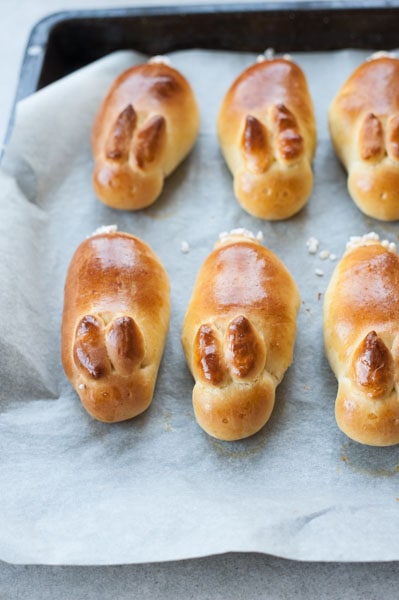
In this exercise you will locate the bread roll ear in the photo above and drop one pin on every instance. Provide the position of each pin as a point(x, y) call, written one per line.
point(267, 133)
point(372, 367)
point(244, 348)
point(364, 127)
point(125, 344)
point(238, 336)
point(361, 332)
point(89, 351)
point(208, 361)
point(144, 128)
point(114, 324)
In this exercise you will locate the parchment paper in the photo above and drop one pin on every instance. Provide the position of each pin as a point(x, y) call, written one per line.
point(156, 488)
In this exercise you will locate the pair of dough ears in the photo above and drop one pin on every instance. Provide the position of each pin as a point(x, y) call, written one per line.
point(101, 348)
point(239, 354)
point(260, 146)
point(145, 143)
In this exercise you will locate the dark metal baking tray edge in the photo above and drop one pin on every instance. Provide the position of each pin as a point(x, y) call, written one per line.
point(65, 41)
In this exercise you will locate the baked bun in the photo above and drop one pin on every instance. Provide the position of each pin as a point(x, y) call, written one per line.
point(238, 336)
point(114, 324)
point(364, 127)
point(361, 332)
point(267, 134)
point(146, 125)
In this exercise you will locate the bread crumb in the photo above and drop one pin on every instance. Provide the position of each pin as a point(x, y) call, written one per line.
point(319, 272)
point(105, 229)
point(241, 231)
point(312, 245)
point(159, 59)
point(82, 386)
point(333, 257)
point(389, 245)
point(367, 239)
point(324, 254)
point(267, 55)
point(381, 54)
point(185, 247)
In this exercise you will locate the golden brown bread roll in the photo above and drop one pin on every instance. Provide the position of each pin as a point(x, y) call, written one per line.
point(364, 127)
point(114, 324)
point(361, 332)
point(146, 125)
point(238, 336)
point(267, 134)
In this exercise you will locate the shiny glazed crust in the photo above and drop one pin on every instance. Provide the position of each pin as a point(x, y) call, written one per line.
point(114, 324)
point(144, 128)
point(238, 336)
point(364, 127)
point(267, 134)
point(361, 327)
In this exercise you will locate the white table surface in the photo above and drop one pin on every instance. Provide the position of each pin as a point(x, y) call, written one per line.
point(232, 576)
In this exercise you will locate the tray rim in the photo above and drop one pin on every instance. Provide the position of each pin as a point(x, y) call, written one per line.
point(84, 13)
point(40, 32)
point(39, 36)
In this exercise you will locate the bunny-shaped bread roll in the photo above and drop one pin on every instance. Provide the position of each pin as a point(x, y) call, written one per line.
point(364, 127)
point(146, 125)
point(238, 335)
point(267, 134)
point(361, 332)
point(114, 324)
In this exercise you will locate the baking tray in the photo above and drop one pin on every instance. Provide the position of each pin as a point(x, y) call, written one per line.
point(64, 42)
point(68, 40)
